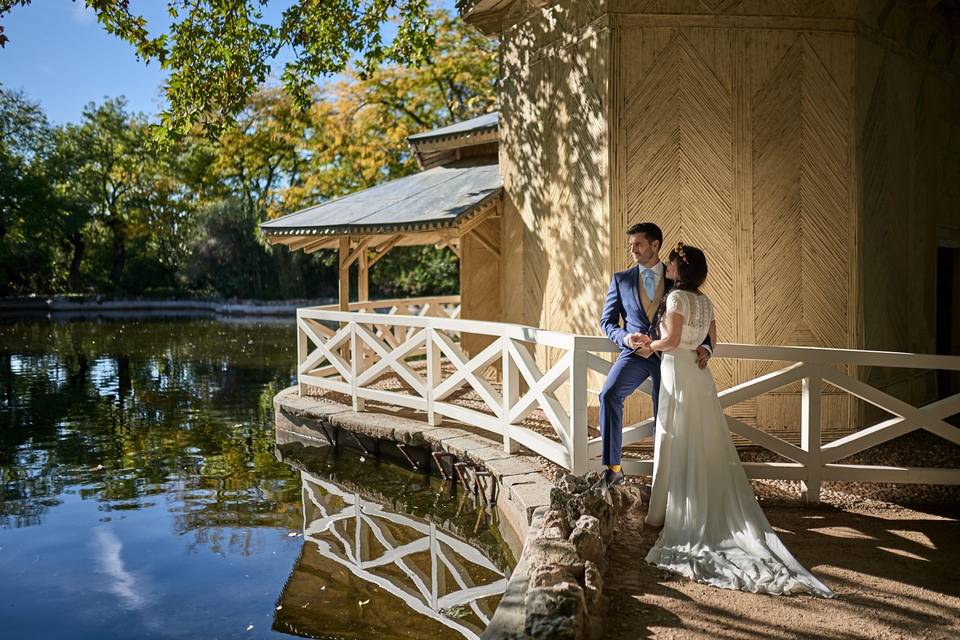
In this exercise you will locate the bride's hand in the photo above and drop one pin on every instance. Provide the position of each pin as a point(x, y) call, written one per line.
point(645, 341)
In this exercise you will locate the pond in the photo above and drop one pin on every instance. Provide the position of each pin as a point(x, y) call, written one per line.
point(144, 497)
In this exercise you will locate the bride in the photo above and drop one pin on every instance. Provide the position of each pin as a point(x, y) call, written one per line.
point(713, 528)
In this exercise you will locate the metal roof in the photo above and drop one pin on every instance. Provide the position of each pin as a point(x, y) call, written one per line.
point(432, 199)
point(487, 122)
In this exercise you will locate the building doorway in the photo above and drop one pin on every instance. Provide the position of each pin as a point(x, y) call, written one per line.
point(948, 316)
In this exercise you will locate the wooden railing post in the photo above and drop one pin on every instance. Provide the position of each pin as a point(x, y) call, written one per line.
point(811, 398)
point(356, 366)
point(578, 411)
point(303, 350)
point(433, 376)
point(510, 378)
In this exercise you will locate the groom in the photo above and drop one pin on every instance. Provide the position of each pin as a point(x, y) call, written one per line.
point(637, 296)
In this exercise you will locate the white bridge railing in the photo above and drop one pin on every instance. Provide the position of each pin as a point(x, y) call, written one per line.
point(367, 345)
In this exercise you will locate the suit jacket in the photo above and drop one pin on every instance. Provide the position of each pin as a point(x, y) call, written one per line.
point(623, 302)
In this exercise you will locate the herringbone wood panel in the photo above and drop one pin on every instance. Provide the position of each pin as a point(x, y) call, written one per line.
point(677, 147)
point(801, 168)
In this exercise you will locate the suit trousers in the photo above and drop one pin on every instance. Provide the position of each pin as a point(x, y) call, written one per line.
point(627, 373)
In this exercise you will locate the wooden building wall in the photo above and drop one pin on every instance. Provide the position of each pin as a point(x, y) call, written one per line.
point(787, 138)
point(554, 163)
point(480, 284)
point(908, 133)
point(735, 136)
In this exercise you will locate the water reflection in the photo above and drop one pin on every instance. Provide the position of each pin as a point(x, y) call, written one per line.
point(136, 413)
point(141, 495)
point(379, 558)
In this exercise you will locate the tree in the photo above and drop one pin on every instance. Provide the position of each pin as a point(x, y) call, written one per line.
point(111, 176)
point(220, 51)
point(25, 195)
point(70, 206)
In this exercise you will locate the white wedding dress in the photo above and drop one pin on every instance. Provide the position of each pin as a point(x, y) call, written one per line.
point(713, 528)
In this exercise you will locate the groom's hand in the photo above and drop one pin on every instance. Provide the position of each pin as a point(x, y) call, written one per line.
point(703, 355)
point(635, 340)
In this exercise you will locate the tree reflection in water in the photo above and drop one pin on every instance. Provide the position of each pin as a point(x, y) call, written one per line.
point(134, 413)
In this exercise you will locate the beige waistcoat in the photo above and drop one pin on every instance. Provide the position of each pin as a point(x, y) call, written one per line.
point(650, 306)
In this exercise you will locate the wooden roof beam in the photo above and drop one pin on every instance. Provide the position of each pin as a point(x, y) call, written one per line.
point(360, 247)
point(383, 248)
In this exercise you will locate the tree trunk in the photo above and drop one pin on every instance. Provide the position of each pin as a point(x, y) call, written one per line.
point(119, 230)
point(79, 246)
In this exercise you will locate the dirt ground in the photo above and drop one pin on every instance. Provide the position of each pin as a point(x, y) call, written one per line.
point(895, 570)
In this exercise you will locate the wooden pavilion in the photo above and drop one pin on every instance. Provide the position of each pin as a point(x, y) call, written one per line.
point(453, 202)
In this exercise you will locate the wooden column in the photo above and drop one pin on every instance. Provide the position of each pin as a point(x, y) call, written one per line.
point(363, 278)
point(344, 274)
point(344, 289)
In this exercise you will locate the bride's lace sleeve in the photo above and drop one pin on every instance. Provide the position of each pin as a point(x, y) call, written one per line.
point(677, 303)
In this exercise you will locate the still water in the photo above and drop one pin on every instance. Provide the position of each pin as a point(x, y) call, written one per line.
point(143, 496)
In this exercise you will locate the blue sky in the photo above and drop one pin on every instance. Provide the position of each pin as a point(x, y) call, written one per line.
point(59, 56)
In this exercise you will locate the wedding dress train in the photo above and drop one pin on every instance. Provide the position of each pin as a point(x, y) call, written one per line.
point(714, 530)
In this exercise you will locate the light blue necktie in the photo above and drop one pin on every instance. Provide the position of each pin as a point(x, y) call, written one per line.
point(648, 283)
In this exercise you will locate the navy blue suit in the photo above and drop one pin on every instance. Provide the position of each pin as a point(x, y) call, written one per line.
point(630, 369)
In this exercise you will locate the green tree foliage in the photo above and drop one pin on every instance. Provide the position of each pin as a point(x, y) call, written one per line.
point(27, 207)
point(219, 52)
point(99, 206)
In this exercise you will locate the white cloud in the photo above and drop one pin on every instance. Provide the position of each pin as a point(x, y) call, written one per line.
point(123, 584)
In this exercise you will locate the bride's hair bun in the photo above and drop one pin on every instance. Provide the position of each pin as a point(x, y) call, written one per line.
point(691, 266)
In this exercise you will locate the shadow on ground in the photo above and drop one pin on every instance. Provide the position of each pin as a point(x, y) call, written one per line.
point(893, 570)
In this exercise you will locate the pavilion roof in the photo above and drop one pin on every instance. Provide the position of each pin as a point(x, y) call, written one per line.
point(438, 198)
point(476, 136)
point(486, 122)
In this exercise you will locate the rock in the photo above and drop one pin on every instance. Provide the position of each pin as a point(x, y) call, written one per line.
point(588, 544)
point(595, 626)
point(548, 576)
point(592, 586)
point(555, 613)
point(554, 518)
point(551, 533)
point(572, 484)
point(589, 523)
point(558, 553)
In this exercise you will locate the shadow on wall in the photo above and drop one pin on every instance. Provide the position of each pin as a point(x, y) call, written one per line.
point(554, 163)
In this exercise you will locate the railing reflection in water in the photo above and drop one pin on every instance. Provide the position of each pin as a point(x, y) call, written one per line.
point(357, 553)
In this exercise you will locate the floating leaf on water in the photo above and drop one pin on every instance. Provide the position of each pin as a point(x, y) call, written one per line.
point(279, 606)
point(304, 606)
point(362, 459)
point(249, 627)
point(363, 602)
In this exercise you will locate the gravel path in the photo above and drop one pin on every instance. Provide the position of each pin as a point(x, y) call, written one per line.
point(894, 570)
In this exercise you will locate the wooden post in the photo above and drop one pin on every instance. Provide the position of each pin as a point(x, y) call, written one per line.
point(344, 290)
point(357, 366)
point(363, 277)
point(433, 376)
point(303, 350)
point(578, 411)
point(510, 377)
point(810, 437)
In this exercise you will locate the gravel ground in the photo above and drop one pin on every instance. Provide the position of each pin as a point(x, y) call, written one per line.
point(893, 570)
